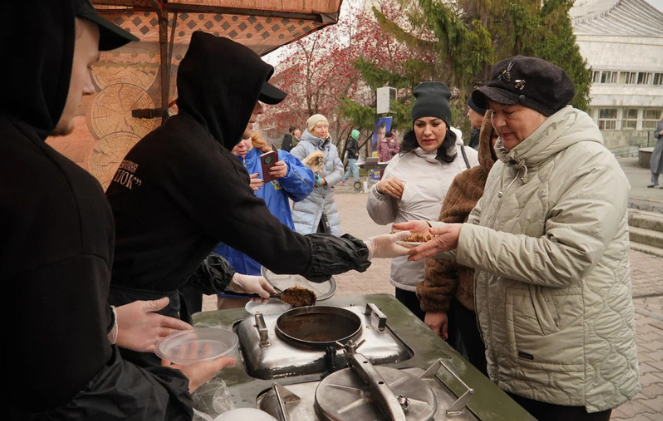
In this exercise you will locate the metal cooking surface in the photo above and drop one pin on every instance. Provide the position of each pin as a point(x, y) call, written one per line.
point(318, 326)
point(304, 409)
point(282, 359)
point(342, 396)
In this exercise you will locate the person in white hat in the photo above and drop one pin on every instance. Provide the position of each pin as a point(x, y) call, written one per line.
point(317, 213)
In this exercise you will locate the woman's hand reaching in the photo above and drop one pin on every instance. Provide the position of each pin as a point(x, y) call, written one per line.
point(391, 186)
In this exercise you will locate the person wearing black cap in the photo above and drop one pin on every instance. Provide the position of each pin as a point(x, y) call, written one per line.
point(549, 243)
point(475, 114)
point(180, 191)
point(417, 179)
point(57, 241)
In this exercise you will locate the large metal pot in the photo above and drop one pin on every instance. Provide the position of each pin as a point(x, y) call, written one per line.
point(318, 327)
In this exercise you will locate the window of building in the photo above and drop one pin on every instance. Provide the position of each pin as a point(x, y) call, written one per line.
point(630, 118)
point(658, 78)
point(627, 77)
point(607, 118)
point(597, 76)
point(650, 118)
point(644, 78)
point(608, 77)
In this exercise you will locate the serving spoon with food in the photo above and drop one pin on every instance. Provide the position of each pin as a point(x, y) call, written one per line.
point(295, 296)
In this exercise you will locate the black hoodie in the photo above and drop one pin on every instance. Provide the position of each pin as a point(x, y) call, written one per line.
point(56, 247)
point(179, 191)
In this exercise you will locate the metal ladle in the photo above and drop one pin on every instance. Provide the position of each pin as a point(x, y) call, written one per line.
point(295, 296)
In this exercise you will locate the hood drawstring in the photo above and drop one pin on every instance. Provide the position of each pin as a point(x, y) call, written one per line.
point(518, 166)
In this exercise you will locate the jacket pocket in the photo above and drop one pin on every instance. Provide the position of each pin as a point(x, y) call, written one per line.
point(545, 325)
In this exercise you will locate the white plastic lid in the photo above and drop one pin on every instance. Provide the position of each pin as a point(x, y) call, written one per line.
point(245, 414)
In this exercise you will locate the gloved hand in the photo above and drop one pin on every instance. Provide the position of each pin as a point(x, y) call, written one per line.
point(251, 284)
point(384, 246)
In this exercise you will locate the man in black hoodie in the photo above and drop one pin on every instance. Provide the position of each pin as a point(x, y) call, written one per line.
point(180, 191)
point(56, 247)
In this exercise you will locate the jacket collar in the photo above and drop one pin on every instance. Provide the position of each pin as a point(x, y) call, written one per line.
point(562, 129)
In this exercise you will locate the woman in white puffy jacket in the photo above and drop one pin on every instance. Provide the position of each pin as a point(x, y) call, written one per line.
point(416, 180)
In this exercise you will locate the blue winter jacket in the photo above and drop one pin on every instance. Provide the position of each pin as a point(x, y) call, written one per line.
point(296, 185)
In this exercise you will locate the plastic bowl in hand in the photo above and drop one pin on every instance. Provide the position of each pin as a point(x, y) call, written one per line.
point(196, 345)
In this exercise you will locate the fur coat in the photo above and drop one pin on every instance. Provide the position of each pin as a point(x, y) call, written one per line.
point(444, 279)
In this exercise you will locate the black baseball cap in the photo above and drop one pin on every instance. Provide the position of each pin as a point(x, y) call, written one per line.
point(111, 36)
point(270, 94)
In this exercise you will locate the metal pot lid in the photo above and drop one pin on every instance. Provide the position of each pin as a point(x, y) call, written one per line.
point(323, 290)
point(343, 396)
point(318, 327)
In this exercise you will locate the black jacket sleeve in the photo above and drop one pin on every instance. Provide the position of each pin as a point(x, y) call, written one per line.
point(332, 255)
point(129, 393)
point(212, 275)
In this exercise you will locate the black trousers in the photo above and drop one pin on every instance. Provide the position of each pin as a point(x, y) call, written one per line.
point(409, 299)
point(543, 411)
point(463, 322)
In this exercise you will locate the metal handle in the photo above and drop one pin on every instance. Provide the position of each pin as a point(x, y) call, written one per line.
point(457, 407)
point(378, 387)
point(375, 313)
point(284, 396)
point(262, 330)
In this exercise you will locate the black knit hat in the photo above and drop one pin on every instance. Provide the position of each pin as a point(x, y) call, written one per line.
point(529, 81)
point(475, 107)
point(432, 100)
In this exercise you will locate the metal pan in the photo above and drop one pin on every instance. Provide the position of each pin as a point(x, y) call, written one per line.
point(318, 327)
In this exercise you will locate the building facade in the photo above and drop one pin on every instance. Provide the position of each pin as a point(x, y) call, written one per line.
point(622, 41)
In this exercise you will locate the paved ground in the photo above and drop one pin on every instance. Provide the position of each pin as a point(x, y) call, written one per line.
point(647, 277)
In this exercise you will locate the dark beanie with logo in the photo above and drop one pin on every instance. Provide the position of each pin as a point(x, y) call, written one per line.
point(432, 100)
point(529, 81)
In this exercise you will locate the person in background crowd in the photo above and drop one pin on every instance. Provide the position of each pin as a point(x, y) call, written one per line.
point(657, 155)
point(475, 114)
point(180, 191)
point(417, 179)
point(286, 143)
point(294, 181)
point(549, 244)
point(447, 292)
point(296, 135)
point(352, 150)
point(317, 213)
point(388, 147)
point(57, 242)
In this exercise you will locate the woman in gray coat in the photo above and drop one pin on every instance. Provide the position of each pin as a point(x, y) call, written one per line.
point(318, 213)
point(657, 155)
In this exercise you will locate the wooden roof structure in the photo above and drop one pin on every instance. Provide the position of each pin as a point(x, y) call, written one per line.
point(136, 83)
point(262, 25)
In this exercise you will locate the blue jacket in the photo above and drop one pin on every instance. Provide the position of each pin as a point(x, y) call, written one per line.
point(296, 185)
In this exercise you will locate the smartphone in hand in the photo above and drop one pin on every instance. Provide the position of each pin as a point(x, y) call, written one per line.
point(267, 161)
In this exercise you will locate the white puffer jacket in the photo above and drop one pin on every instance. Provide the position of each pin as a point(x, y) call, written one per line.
point(307, 213)
point(427, 181)
point(549, 241)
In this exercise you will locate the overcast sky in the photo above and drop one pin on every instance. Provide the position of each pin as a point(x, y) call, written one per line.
point(657, 4)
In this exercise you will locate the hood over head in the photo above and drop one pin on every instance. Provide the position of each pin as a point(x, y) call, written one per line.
point(37, 48)
point(219, 82)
